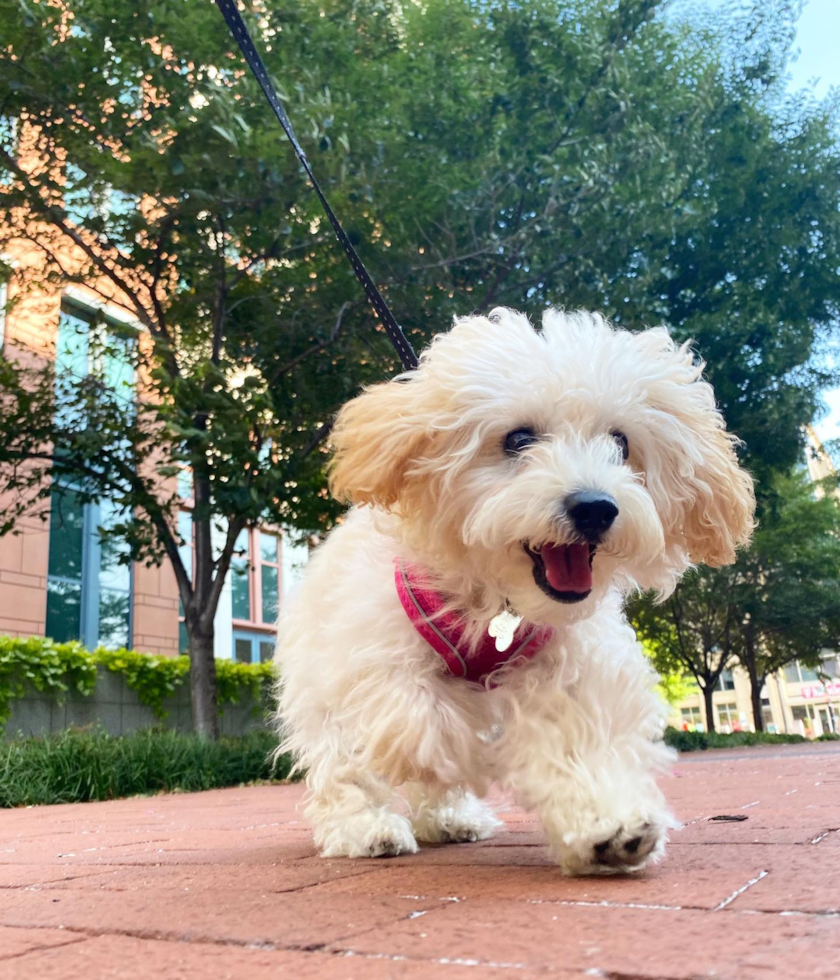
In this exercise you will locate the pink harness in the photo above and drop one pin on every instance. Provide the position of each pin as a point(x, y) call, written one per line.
point(444, 631)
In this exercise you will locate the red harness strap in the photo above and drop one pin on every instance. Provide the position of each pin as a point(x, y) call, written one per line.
point(444, 630)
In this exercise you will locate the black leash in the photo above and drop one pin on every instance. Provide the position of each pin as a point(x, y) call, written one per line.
point(255, 63)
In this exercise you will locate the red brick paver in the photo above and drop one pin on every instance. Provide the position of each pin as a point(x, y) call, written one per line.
point(226, 884)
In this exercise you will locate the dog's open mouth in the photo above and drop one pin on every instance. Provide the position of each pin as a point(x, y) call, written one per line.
point(563, 571)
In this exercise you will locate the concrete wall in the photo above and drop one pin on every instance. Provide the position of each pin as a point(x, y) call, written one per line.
point(117, 709)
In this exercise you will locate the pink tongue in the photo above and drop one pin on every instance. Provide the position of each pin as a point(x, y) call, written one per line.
point(567, 567)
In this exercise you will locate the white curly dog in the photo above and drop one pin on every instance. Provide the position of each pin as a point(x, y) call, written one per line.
point(542, 474)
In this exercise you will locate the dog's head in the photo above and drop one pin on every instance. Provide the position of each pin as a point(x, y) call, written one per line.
point(544, 467)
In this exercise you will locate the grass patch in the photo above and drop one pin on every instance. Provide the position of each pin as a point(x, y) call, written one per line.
point(692, 741)
point(76, 766)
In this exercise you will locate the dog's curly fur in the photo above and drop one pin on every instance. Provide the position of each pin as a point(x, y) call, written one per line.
point(365, 703)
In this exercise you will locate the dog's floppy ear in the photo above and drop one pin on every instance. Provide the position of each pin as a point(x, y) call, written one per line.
point(376, 436)
point(715, 494)
point(721, 517)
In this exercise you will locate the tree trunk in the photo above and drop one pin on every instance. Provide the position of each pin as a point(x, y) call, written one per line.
point(756, 684)
point(708, 698)
point(755, 694)
point(205, 713)
point(749, 661)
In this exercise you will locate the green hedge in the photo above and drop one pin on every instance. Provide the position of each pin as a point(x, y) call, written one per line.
point(691, 741)
point(77, 766)
point(56, 668)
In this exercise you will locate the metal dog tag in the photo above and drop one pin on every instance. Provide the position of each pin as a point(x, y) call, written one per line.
point(502, 627)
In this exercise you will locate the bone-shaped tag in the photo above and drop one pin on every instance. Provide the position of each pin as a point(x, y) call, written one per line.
point(502, 628)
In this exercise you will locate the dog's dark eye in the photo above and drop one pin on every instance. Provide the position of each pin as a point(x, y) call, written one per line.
point(623, 443)
point(519, 440)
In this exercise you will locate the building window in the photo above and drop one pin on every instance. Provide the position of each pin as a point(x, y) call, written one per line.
point(88, 344)
point(728, 718)
point(255, 578)
point(269, 555)
point(692, 719)
point(88, 579)
point(252, 648)
point(726, 682)
point(804, 718)
point(796, 673)
point(185, 550)
point(767, 715)
point(828, 719)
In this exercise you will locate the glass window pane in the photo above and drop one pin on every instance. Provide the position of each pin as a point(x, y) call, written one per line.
point(239, 579)
point(807, 673)
point(240, 590)
point(266, 651)
point(269, 594)
point(72, 342)
point(726, 682)
point(185, 531)
point(113, 573)
point(268, 547)
point(242, 650)
point(792, 673)
point(71, 355)
point(118, 367)
point(185, 485)
point(71, 365)
point(64, 610)
point(114, 610)
point(66, 534)
point(183, 638)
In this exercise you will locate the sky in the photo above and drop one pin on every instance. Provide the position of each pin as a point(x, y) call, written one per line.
point(817, 38)
point(818, 63)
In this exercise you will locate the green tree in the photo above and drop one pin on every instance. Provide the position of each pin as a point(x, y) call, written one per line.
point(789, 584)
point(695, 631)
point(581, 153)
point(779, 603)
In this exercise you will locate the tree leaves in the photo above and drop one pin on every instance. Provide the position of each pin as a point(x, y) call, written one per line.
point(529, 153)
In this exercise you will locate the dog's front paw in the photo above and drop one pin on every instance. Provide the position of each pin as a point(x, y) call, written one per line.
point(626, 849)
point(630, 849)
point(372, 833)
point(459, 818)
point(621, 849)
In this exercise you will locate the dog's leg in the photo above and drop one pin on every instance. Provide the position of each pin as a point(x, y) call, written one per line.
point(585, 756)
point(353, 815)
point(607, 818)
point(452, 815)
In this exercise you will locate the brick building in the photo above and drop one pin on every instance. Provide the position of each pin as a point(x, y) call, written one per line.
point(56, 578)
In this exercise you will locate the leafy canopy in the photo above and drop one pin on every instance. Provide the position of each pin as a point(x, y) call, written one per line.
point(581, 153)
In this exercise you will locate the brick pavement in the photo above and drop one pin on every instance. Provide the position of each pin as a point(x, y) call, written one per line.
point(226, 884)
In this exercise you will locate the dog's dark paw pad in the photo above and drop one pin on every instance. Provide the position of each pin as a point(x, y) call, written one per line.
point(460, 835)
point(385, 847)
point(626, 848)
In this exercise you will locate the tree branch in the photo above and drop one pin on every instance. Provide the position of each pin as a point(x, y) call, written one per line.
point(293, 363)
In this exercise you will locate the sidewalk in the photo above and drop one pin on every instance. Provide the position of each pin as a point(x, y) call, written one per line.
point(226, 884)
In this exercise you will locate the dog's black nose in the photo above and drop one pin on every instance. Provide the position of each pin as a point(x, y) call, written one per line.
point(591, 512)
